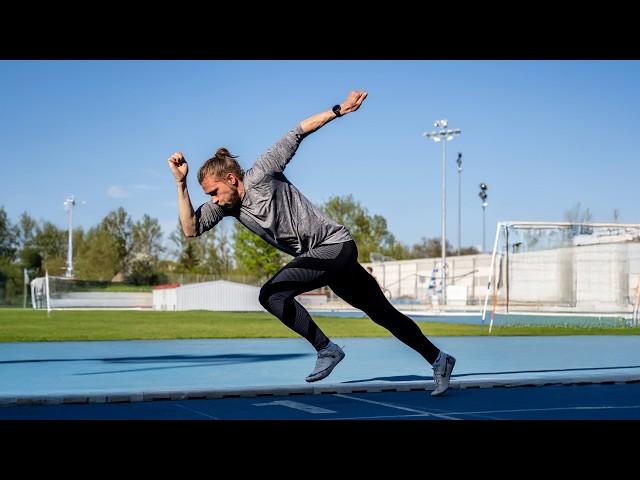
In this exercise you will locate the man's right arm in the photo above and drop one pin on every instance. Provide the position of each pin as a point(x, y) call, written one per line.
point(180, 168)
point(207, 216)
point(187, 215)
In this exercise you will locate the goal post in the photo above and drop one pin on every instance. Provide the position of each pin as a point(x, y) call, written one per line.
point(564, 273)
point(56, 293)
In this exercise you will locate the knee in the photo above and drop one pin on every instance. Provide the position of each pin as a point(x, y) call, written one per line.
point(273, 300)
point(264, 296)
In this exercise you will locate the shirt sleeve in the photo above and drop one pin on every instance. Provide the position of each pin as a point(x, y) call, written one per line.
point(276, 158)
point(207, 216)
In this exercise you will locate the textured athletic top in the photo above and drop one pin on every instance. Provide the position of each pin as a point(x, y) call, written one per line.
point(273, 208)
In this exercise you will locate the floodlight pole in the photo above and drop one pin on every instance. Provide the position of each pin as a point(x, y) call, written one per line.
point(484, 226)
point(483, 197)
point(459, 162)
point(69, 203)
point(444, 135)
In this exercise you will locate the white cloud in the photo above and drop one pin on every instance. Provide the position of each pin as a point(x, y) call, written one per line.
point(114, 191)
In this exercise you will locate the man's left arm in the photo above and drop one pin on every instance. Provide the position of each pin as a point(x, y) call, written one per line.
point(276, 158)
point(351, 104)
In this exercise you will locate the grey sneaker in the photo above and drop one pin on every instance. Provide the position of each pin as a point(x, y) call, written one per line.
point(328, 358)
point(442, 373)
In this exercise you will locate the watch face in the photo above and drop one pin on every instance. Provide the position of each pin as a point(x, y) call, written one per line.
point(336, 109)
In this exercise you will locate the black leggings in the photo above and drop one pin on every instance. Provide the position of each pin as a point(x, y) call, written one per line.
point(337, 266)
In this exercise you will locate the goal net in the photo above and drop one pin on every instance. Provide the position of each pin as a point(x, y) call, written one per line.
point(564, 273)
point(52, 293)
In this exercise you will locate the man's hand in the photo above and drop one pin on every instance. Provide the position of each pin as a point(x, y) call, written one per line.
point(353, 101)
point(179, 166)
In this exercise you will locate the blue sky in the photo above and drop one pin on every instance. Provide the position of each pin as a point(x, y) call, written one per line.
point(543, 135)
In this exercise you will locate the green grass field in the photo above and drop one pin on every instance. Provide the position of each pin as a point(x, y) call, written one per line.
point(26, 325)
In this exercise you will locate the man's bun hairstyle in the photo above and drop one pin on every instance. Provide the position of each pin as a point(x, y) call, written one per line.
point(219, 165)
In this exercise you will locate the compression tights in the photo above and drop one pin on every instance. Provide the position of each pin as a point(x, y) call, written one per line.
point(337, 266)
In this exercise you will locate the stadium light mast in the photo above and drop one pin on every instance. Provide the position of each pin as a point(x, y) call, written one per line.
point(483, 197)
point(459, 162)
point(444, 135)
point(69, 203)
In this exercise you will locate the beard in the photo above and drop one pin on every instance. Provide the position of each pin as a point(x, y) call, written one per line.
point(233, 201)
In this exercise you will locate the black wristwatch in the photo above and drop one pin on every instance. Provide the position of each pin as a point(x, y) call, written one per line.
point(336, 110)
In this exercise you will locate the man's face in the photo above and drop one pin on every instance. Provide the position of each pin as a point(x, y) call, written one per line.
point(223, 191)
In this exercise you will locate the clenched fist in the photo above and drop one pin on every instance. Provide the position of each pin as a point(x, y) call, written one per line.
point(179, 166)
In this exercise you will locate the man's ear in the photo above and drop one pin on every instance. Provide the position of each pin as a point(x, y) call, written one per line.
point(231, 179)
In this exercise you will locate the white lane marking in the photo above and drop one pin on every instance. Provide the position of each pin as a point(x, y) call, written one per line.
point(488, 411)
point(390, 405)
point(196, 411)
point(297, 406)
point(604, 407)
point(375, 417)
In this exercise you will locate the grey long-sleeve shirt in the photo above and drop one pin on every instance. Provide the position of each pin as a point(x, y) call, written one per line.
point(273, 208)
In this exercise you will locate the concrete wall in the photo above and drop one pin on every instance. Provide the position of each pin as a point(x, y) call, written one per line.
point(588, 278)
point(409, 279)
point(101, 300)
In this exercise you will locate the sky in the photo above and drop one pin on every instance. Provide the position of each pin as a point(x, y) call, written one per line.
point(543, 135)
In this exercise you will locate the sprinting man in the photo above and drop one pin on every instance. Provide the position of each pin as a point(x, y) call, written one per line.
point(268, 204)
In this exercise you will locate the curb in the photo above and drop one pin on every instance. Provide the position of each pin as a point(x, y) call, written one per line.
point(284, 390)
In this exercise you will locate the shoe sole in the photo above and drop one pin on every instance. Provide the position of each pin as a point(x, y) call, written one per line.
point(453, 364)
point(324, 373)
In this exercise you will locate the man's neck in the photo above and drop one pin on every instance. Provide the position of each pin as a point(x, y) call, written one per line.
point(241, 190)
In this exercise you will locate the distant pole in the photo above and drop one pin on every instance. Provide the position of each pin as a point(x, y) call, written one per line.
point(459, 162)
point(483, 197)
point(444, 135)
point(69, 203)
point(444, 225)
point(24, 290)
point(484, 227)
point(47, 291)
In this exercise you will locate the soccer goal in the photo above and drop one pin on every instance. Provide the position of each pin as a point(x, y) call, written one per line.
point(55, 293)
point(564, 274)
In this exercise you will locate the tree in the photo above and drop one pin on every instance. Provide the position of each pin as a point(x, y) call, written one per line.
point(146, 248)
point(397, 251)
point(28, 227)
point(469, 251)
point(209, 254)
point(51, 243)
point(31, 259)
point(146, 237)
point(8, 237)
point(188, 251)
point(10, 282)
point(430, 248)
point(369, 232)
point(30, 256)
point(98, 257)
point(253, 255)
point(9, 273)
point(118, 226)
point(217, 252)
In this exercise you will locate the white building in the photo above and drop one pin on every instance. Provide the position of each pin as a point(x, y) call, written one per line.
point(219, 295)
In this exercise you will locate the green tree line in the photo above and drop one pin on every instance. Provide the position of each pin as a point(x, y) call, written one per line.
point(122, 249)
